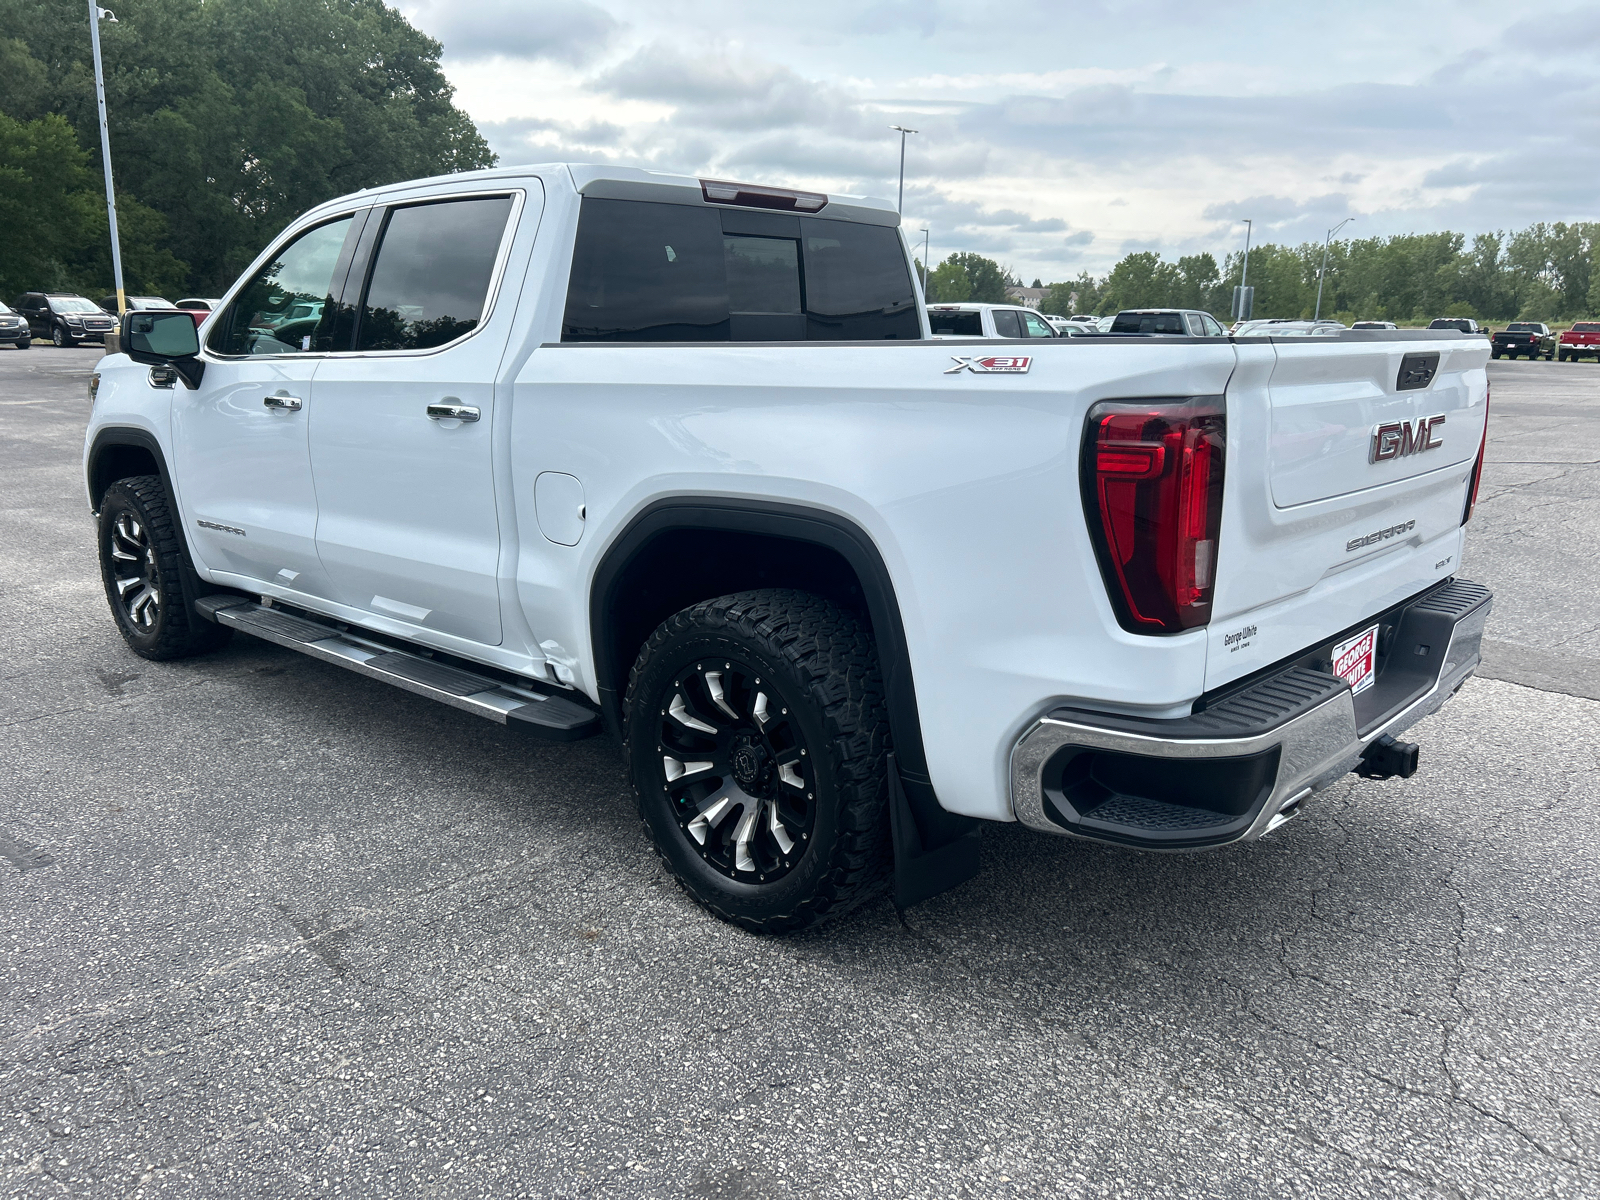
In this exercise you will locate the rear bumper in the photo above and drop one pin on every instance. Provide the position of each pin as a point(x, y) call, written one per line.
point(1243, 765)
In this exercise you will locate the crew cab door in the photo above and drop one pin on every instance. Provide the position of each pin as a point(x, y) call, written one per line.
point(243, 464)
point(403, 433)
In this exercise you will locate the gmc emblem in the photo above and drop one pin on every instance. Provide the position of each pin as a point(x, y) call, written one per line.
point(1398, 439)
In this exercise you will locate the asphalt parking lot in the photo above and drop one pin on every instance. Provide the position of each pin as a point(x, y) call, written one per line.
point(270, 929)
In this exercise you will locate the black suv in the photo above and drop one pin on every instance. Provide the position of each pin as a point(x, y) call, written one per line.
point(14, 329)
point(66, 320)
point(1523, 337)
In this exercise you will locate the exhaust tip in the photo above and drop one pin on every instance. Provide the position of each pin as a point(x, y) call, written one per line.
point(1388, 758)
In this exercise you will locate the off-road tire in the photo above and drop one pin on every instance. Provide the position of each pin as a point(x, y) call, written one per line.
point(821, 663)
point(174, 630)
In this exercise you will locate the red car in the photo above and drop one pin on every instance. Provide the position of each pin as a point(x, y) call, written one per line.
point(1582, 340)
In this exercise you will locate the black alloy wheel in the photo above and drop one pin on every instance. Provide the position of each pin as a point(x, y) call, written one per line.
point(135, 579)
point(736, 770)
point(142, 564)
point(756, 734)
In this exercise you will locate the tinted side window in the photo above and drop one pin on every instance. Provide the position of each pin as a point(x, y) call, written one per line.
point(282, 309)
point(647, 273)
point(858, 285)
point(430, 280)
point(1007, 323)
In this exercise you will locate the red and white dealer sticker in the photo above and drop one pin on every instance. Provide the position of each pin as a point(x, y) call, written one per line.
point(1356, 661)
point(993, 364)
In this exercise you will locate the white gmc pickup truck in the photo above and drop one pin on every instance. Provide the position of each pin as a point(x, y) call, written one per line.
point(575, 448)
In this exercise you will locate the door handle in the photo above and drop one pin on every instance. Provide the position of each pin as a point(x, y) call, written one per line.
point(292, 403)
point(453, 412)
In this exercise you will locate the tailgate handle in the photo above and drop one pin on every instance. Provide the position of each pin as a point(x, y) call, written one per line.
point(1416, 372)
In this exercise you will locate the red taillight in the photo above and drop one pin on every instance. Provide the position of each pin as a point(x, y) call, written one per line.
point(1152, 490)
point(1477, 467)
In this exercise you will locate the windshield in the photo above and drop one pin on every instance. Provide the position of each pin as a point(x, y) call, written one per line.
point(73, 304)
point(4, 311)
point(957, 324)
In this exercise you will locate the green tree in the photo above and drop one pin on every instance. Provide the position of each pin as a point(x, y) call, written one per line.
point(988, 279)
point(230, 117)
point(949, 284)
point(1141, 280)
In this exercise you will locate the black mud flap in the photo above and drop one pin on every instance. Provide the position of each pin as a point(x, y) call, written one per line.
point(934, 850)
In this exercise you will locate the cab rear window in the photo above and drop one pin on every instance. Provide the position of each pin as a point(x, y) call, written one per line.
point(1586, 327)
point(651, 272)
point(955, 324)
point(1148, 323)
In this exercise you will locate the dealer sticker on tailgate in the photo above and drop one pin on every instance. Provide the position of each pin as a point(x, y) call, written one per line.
point(1356, 661)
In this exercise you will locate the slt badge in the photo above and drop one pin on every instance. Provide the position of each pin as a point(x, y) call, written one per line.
point(994, 364)
point(1399, 439)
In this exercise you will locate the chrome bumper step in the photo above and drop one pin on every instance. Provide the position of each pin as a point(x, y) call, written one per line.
point(550, 718)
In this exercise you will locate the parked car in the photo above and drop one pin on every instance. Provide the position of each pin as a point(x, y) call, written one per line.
point(987, 321)
point(1066, 327)
point(1084, 319)
point(1185, 322)
point(1103, 324)
point(1283, 328)
point(65, 319)
point(1529, 339)
point(841, 599)
point(14, 328)
point(1581, 341)
point(135, 303)
point(1464, 324)
point(1374, 325)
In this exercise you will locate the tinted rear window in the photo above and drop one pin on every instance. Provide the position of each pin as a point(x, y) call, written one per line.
point(1148, 323)
point(671, 273)
point(956, 324)
point(1521, 327)
point(1586, 327)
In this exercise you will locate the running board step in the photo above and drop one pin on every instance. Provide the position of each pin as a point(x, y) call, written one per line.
point(551, 718)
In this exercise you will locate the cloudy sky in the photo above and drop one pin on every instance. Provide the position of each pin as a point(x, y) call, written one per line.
point(1058, 136)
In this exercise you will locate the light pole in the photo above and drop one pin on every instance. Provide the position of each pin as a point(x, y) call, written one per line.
point(901, 199)
point(1322, 273)
point(924, 265)
point(95, 14)
point(1244, 275)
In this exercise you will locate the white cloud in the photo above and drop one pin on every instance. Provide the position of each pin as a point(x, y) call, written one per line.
point(1056, 135)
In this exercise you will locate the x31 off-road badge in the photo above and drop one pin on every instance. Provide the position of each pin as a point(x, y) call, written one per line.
point(994, 364)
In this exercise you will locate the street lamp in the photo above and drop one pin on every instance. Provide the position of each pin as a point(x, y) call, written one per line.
point(901, 201)
point(924, 233)
point(1242, 306)
point(96, 14)
point(1322, 273)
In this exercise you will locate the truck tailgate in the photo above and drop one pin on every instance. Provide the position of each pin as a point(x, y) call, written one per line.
point(1344, 491)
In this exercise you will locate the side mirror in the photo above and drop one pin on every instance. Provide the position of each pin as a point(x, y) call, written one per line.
point(163, 338)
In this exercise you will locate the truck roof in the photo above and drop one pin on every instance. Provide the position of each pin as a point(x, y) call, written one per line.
point(633, 183)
